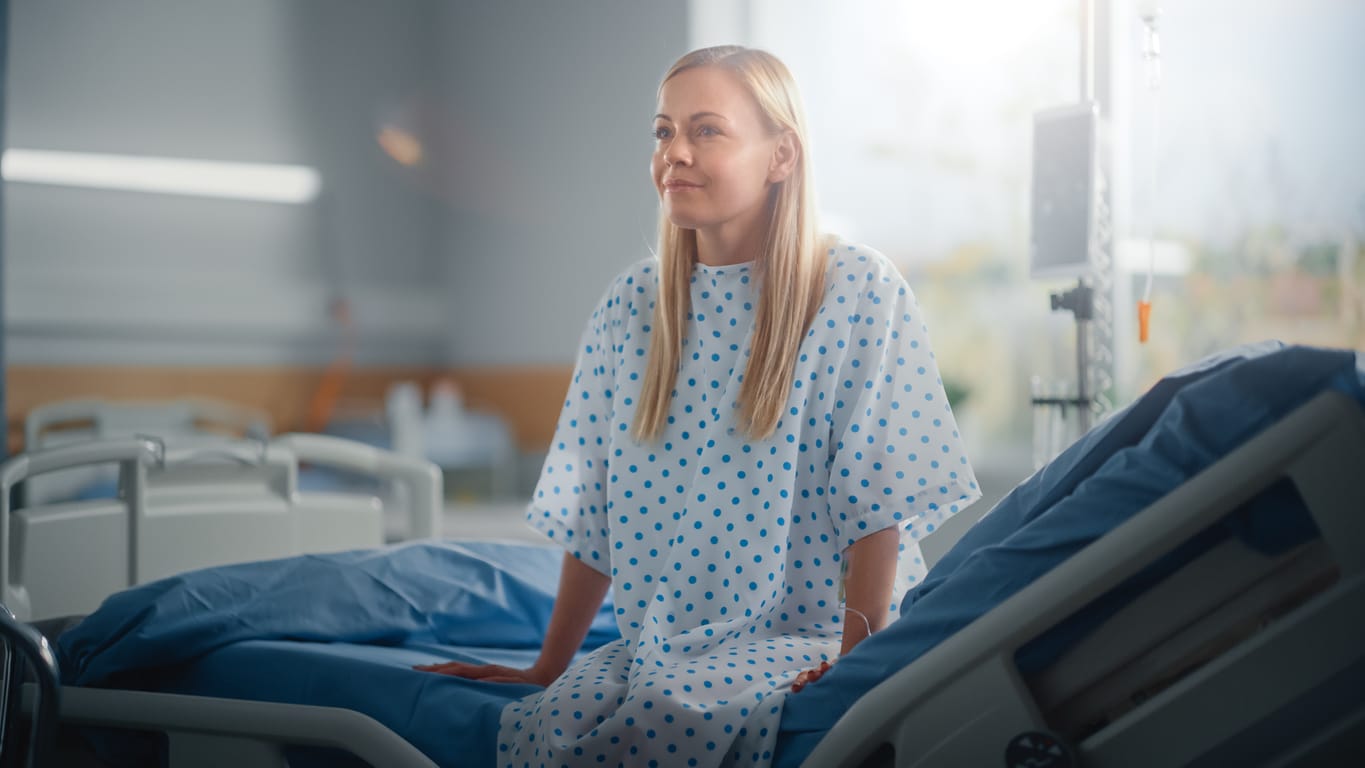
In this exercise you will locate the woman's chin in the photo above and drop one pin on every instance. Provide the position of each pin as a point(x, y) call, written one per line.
point(682, 220)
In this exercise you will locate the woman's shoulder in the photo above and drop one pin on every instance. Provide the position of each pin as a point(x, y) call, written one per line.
point(638, 281)
point(645, 270)
point(642, 274)
point(856, 265)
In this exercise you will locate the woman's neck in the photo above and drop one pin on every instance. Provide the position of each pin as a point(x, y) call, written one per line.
point(729, 243)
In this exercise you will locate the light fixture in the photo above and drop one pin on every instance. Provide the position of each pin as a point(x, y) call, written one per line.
point(164, 175)
point(401, 145)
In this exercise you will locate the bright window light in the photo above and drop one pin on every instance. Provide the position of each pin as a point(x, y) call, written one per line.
point(165, 175)
point(971, 37)
point(1163, 257)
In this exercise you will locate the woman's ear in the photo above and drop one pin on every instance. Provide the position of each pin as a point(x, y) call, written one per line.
point(784, 158)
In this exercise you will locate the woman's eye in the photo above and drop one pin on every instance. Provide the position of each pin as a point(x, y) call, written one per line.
point(661, 132)
point(707, 130)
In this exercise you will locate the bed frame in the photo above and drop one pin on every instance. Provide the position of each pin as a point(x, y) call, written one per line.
point(1289, 634)
point(1238, 659)
point(81, 420)
point(207, 502)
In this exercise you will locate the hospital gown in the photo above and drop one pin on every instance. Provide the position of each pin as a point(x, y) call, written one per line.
point(724, 552)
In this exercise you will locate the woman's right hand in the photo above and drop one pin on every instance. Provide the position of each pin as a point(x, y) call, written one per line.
point(489, 673)
point(581, 590)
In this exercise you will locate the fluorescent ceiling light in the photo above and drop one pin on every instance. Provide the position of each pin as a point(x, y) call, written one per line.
point(201, 178)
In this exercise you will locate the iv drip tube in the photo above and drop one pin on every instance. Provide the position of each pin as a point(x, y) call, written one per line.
point(1151, 54)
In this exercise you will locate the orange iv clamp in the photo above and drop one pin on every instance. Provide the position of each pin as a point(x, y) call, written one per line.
point(1144, 320)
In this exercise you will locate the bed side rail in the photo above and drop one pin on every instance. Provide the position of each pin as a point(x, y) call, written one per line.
point(131, 454)
point(421, 479)
point(969, 684)
point(150, 415)
point(26, 651)
point(224, 733)
point(148, 467)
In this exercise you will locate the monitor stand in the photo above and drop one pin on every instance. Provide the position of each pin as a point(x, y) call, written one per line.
point(1081, 302)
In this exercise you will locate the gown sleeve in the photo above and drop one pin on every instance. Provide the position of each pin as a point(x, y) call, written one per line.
point(898, 457)
point(570, 501)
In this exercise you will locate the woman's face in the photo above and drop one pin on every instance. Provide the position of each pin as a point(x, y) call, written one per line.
point(714, 158)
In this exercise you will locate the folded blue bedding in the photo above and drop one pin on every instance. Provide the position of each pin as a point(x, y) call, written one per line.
point(367, 617)
point(339, 630)
point(479, 594)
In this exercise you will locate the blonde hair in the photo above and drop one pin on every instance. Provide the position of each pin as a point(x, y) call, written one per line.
point(790, 268)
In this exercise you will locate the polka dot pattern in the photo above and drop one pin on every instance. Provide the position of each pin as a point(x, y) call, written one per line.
point(724, 552)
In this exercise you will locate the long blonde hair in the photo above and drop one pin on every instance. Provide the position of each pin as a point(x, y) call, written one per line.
point(790, 268)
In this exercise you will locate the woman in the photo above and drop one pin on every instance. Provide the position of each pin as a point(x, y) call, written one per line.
point(755, 424)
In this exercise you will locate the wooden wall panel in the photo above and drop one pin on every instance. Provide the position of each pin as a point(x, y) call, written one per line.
point(528, 397)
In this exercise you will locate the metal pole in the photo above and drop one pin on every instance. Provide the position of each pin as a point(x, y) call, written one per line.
point(1082, 367)
point(1087, 93)
point(1095, 338)
point(1087, 64)
point(4, 94)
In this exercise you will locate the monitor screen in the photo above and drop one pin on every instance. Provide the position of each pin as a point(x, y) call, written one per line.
point(1063, 191)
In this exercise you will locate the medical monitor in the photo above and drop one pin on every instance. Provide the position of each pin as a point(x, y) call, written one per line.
point(1063, 191)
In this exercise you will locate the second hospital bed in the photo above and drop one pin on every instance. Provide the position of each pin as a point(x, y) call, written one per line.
point(1180, 587)
point(192, 501)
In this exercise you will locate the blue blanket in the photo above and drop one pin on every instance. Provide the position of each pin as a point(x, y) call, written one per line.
point(368, 617)
point(365, 619)
point(1185, 423)
point(480, 594)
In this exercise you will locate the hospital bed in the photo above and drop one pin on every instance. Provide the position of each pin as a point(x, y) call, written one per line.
point(1235, 659)
point(1230, 656)
point(181, 420)
point(185, 504)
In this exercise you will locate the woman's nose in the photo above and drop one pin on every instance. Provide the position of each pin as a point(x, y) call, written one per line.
point(677, 152)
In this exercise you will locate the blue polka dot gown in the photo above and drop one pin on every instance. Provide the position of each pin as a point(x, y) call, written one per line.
point(724, 553)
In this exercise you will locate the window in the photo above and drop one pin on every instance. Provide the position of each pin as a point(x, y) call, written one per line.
point(921, 115)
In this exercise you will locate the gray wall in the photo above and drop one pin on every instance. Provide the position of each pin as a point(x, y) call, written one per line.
point(548, 135)
point(533, 192)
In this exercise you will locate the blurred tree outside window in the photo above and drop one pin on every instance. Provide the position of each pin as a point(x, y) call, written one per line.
point(921, 121)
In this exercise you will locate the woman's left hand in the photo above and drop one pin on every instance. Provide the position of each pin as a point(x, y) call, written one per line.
point(809, 676)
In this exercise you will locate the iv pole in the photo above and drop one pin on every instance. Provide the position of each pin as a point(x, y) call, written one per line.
point(4, 80)
point(1081, 300)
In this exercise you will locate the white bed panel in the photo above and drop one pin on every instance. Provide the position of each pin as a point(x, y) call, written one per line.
point(70, 552)
point(183, 508)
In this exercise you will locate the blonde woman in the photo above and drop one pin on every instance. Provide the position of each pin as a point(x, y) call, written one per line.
point(755, 426)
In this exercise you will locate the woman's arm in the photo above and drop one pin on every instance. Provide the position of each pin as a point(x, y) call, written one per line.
point(868, 581)
point(869, 576)
point(581, 591)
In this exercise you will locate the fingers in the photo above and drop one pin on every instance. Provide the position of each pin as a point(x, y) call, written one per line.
point(446, 667)
point(470, 671)
point(809, 676)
